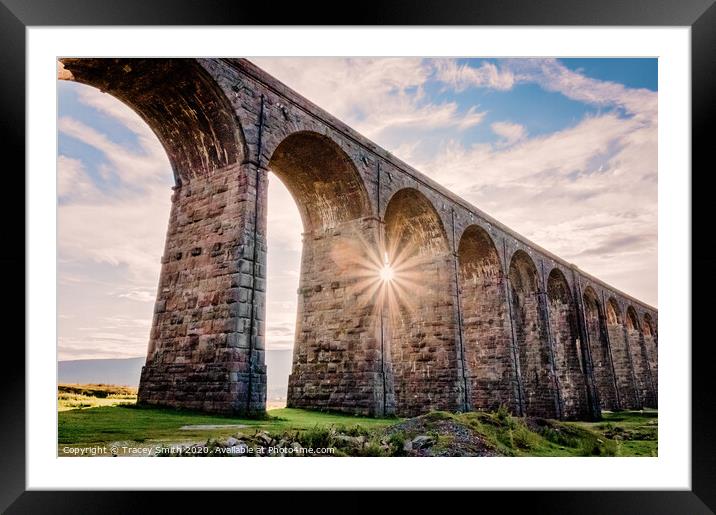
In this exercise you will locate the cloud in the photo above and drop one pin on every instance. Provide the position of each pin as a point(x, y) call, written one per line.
point(72, 179)
point(118, 231)
point(110, 225)
point(509, 132)
point(140, 295)
point(376, 96)
point(552, 75)
point(120, 112)
point(132, 168)
point(462, 77)
point(103, 346)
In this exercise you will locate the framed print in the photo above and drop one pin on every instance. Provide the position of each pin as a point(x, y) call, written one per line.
point(420, 257)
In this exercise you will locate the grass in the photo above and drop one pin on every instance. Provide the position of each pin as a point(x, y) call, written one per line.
point(108, 415)
point(139, 424)
point(627, 433)
point(635, 432)
point(81, 396)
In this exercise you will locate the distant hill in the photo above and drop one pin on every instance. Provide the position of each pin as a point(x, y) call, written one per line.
point(126, 372)
point(123, 372)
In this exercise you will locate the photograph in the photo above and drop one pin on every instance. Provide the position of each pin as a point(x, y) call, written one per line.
point(357, 257)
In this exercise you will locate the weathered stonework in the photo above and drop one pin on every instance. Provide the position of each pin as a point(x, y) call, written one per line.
point(486, 323)
point(200, 338)
point(337, 356)
point(535, 358)
point(477, 318)
point(642, 368)
point(600, 352)
point(565, 333)
point(424, 348)
point(623, 361)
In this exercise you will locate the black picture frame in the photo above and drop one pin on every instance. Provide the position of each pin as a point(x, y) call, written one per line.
point(17, 15)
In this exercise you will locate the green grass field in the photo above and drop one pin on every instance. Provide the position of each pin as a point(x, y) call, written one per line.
point(108, 419)
point(635, 433)
point(139, 424)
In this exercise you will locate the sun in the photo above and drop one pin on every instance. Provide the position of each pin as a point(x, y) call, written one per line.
point(386, 273)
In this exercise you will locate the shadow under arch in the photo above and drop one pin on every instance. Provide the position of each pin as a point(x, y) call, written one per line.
point(652, 348)
point(322, 179)
point(423, 340)
point(599, 349)
point(567, 354)
point(621, 356)
point(486, 328)
point(178, 99)
point(640, 355)
point(531, 337)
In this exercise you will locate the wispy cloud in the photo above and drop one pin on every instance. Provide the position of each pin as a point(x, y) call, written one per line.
point(552, 75)
point(375, 96)
point(72, 180)
point(460, 77)
point(588, 192)
point(509, 132)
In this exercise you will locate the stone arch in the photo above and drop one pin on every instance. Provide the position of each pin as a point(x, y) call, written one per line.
point(599, 350)
point(413, 227)
point(632, 320)
point(614, 314)
point(649, 325)
point(640, 358)
point(567, 352)
point(531, 337)
point(639, 355)
point(180, 102)
point(322, 179)
point(200, 308)
point(621, 355)
point(331, 359)
point(652, 348)
point(485, 323)
point(423, 340)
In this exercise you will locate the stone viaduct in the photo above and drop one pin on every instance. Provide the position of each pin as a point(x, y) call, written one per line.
point(481, 316)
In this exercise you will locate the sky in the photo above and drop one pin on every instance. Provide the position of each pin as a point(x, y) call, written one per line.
point(563, 151)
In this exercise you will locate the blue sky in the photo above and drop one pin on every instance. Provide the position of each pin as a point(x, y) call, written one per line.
point(562, 151)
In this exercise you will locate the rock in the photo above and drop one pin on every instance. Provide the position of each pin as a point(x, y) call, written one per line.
point(264, 438)
point(231, 442)
point(356, 441)
point(422, 442)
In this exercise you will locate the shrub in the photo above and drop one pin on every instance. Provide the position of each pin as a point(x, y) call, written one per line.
point(396, 442)
point(317, 437)
point(523, 437)
point(502, 413)
point(372, 449)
